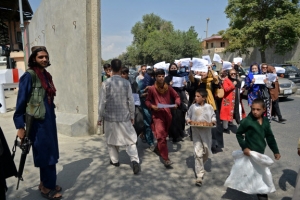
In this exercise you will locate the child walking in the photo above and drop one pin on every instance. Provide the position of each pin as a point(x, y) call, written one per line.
point(254, 133)
point(202, 139)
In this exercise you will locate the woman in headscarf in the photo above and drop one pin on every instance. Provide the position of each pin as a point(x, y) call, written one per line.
point(177, 128)
point(274, 93)
point(231, 105)
point(257, 90)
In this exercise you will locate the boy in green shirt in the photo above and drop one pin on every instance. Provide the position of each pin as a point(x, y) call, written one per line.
point(254, 133)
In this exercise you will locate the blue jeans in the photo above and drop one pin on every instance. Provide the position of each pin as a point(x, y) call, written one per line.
point(147, 123)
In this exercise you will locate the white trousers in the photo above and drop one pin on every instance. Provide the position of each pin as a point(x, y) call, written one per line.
point(131, 150)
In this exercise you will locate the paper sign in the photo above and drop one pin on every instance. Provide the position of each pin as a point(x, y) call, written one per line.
point(176, 62)
point(185, 61)
point(136, 99)
point(177, 81)
point(197, 77)
point(165, 105)
point(207, 57)
point(160, 65)
point(226, 65)
point(271, 77)
point(259, 79)
point(238, 60)
point(199, 65)
point(217, 58)
point(242, 85)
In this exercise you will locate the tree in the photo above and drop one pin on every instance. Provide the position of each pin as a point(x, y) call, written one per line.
point(155, 40)
point(262, 24)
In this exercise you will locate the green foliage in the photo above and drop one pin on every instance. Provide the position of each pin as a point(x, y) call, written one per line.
point(262, 24)
point(155, 40)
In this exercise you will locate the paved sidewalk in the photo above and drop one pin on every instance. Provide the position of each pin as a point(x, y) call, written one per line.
point(84, 171)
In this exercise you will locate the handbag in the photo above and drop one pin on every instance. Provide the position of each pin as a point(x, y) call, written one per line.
point(205, 152)
point(219, 93)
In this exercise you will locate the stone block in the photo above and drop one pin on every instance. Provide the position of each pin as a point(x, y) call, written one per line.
point(71, 124)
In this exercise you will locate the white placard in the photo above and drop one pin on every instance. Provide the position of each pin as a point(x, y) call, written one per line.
point(238, 60)
point(199, 65)
point(165, 105)
point(207, 57)
point(271, 77)
point(226, 65)
point(217, 58)
point(197, 77)
point(242, 85)
point(136, 99)
point(259, 79)
point(160, 65)
point(185, 61)
point(177, 81)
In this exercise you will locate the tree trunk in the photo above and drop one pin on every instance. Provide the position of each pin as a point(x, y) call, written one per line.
point(263, 56)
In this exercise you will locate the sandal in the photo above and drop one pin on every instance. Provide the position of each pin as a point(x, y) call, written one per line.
point(51, 195)
point(57, 187)
point(142, 136)
point(198, 182)
point(168, 163)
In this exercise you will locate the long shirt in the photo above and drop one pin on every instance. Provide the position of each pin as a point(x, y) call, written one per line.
point(116, 102)
point(254, 136)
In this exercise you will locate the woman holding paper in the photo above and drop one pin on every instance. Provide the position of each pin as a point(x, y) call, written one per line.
point(257, 89)
point(253, 89)
point(231, 105)
point(178, 83)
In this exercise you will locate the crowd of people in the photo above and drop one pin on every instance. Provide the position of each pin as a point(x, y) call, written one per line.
point(212, 99)
point(152, 107)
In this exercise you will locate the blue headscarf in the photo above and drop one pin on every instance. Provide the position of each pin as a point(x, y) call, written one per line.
point(255, 87)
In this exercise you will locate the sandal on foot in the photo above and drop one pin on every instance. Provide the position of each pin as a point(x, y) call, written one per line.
point(168, 163)
point(57, 188)
point(198, 182)
point(51, 195)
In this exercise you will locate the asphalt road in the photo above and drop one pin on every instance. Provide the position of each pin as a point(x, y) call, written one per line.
point(85, 174)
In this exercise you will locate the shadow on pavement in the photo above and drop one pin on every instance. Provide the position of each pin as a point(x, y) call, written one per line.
point(288, 176)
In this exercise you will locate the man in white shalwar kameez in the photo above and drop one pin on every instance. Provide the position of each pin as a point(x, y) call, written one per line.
point(116, 108)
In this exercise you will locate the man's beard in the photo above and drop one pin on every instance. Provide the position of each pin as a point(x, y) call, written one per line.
point(39, 65)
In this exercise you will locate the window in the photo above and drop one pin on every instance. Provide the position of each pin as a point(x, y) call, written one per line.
point(206, 45)
point(211, 45)
point(222, 44)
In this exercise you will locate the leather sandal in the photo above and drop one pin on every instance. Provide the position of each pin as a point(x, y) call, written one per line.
point(57, 187)
point(51, 195)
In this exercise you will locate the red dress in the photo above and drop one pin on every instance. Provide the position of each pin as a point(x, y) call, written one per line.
point(161, 119)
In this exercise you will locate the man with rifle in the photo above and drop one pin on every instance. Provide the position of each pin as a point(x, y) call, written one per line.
point(35, 98)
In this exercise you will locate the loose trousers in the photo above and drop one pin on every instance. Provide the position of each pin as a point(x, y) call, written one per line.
point(160, 129)
point(198, 155)
point(131, 150)
point(48, 176)
point(276, 109)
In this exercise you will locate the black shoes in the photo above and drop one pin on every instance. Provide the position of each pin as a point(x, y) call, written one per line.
point(135, 167)
point(226, 131)
point(115, 164)
point(282, 120)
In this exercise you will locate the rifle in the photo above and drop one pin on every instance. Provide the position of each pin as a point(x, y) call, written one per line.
point(24, 145)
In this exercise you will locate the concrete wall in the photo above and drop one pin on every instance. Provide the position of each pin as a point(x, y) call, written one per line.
point(70, 29)
point(271, 57)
